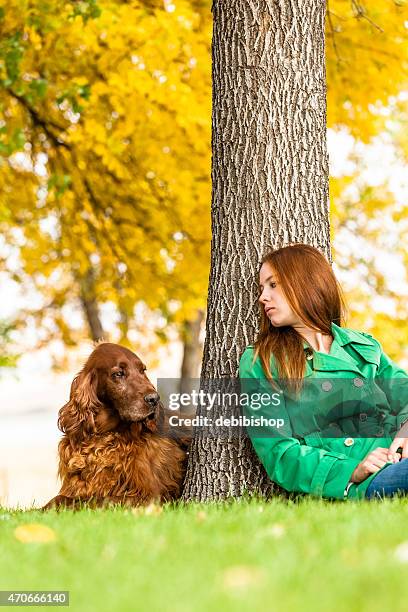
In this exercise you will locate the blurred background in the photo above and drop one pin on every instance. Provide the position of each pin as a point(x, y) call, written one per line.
point(105, 195)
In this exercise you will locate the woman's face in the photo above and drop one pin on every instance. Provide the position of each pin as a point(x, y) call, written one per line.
point(273, 300)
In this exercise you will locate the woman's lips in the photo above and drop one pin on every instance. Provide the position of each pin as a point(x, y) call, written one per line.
point(269, 309)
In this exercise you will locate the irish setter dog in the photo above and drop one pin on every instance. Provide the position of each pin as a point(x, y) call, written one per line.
point(117, 445)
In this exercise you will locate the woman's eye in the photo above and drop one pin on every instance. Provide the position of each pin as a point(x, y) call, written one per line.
point(271, 284)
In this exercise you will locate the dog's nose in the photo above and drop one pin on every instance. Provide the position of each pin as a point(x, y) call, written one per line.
point(152, 399)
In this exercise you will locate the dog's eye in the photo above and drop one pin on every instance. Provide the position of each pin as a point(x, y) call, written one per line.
point(119, 374)
point(144, 368)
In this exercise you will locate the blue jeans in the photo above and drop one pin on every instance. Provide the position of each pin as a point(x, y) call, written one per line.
point(392, 480)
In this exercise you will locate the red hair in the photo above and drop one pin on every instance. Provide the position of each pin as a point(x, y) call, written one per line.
point(314, 294)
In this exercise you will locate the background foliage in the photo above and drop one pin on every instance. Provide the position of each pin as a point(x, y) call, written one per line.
point(105, 116)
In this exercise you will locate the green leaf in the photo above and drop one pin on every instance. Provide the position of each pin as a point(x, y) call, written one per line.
point(39, 87)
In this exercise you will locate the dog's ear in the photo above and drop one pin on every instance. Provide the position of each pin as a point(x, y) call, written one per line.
point(76, 418)
point(158, 424)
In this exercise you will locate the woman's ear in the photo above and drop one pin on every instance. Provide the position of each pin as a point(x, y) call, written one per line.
point(76, 418)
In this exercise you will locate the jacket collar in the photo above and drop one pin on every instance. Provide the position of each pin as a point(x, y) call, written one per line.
point(340, 358)
point(345, 336)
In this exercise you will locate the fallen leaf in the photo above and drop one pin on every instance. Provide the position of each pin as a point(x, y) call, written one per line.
point(277, 530)
point(34, 532)
point(153, 510)
point(108, 552)
point(150, 510)
point(201, 516)
point(401, 552)
point(242, 577)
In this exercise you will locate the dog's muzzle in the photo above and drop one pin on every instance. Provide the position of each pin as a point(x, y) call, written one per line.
point(152, 399)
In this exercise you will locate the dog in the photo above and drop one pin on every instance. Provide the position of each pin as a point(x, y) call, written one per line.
point(117, 446)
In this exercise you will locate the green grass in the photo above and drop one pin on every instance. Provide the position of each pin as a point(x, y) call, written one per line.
point(243, 555)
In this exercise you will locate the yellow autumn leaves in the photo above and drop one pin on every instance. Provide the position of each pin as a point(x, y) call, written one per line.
point(367, 54)
point(126, 113)
point(118, 108)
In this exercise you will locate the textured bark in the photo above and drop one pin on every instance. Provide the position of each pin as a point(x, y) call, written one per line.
point(90, 307)
point(192, 351)
point(124, 308)
point(270, 189)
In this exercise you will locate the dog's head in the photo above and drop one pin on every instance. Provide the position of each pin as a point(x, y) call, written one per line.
point(112, 388)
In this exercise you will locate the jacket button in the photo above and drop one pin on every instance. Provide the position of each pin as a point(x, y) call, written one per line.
point(309, 356)
point(326, 385)
point(363, 416)
point(348, 442)
point(357, 382)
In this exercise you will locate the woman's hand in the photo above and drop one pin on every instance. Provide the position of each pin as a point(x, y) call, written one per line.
point(373, 462)
point(400, 440)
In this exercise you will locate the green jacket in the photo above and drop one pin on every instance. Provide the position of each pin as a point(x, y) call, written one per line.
point(354, 399)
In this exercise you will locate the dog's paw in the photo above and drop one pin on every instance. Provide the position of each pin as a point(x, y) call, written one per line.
point(58, 502)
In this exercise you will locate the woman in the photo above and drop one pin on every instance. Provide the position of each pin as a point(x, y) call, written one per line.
point(344, 401)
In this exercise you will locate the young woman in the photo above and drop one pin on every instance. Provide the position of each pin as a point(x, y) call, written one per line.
point(345, 401)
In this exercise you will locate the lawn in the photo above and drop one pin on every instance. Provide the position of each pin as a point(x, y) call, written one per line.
point(239, 555)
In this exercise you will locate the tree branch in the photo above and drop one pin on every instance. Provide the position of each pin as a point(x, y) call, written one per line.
point(39, 122)
point(360, 11)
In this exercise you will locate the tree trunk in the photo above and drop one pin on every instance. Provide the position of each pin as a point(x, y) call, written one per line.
point(192, 352)
point(270, 189)
point(90, 307)
point(125, 308)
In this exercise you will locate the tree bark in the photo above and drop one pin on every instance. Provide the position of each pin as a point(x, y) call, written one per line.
point(270, 189)
point(90, 307)
point(192, 352)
